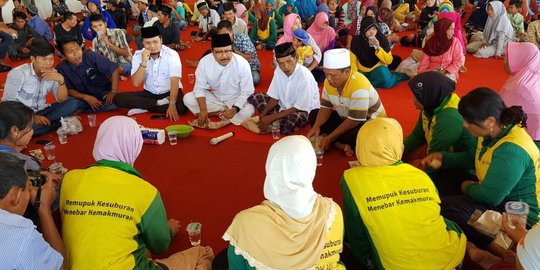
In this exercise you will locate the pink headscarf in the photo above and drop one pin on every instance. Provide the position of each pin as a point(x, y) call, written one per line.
point(322, 36)
point(240, 9)
point(523, 86)
point(118, 139)
point(287, 28)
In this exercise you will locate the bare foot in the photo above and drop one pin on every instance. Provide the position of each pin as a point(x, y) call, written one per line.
point(483, 258)
point(345, 148)
point(123, 78)
point(463, 69)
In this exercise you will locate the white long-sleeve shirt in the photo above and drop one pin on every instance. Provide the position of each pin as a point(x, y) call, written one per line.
point(231, 84)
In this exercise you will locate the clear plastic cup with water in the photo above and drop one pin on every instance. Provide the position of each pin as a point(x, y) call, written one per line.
point(91, 120)
point(50, 151)
point(62, 137)
point(320, 155)
point(194, 233)
point(173, 137)
point(517, 211)
point(275, 130)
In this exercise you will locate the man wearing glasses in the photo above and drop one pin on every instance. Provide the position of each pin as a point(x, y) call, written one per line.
point(159, 68)
point(223, 84)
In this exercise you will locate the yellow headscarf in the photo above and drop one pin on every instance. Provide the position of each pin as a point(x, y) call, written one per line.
point(379, 143)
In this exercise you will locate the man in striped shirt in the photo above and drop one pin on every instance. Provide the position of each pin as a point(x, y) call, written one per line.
point(348, 100)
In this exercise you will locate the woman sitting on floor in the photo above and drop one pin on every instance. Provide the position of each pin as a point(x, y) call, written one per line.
point(497, 33)
point(373, 56)
point(273, 13)
point(504, 158)
point(439, 126)
point(287, 9)
point(322, 33)
point(443, 52)
point(522, 88)
point(294, 228)
point(446, 10)
point(132, 219)
point(264, 31)
point(404, 229)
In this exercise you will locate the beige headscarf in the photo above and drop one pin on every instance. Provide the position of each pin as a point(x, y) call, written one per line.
point(288, 230)
point(379, 143)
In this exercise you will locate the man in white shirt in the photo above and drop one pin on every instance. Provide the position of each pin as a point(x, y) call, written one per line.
point(208, 23)
point(223, 84)
point(160, 69)
point(229, 14)
point(292, 94)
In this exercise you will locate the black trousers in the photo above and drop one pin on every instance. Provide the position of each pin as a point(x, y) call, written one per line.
point(146, 100)
point(333, 122)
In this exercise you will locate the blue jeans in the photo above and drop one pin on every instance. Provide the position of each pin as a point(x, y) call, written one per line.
point(256, 74)
point(181, 25)
point(4, 44)
point(85, 107)
point(54, 112)
point(127, 69)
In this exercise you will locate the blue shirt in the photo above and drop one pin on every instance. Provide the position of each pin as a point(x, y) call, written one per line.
point(91, 76)
point(243, 44)
point(41, 27)
point(306, 8)
point(23, 247)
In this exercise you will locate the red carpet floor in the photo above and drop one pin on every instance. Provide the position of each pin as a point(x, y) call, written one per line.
point(210, 184)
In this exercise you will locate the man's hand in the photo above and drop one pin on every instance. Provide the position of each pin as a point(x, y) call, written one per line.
point(145, 56)
point(515, 233)
point(433, 160)
point(228, 114)
point(172, 112)
point(25, 50)
point(313, 132)
point(202, 118)
point(93, 102)
point(109, 97)
point(325, 143)
point(48, 192)
point(264, 122)
point(52, 75)
point(10, 31)
point(103, 37)
point(41, 120)
point(174, 225)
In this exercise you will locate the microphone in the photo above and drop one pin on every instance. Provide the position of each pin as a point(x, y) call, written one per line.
point(221, 138)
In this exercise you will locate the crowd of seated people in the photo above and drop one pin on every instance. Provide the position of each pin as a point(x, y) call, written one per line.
point(406, 205)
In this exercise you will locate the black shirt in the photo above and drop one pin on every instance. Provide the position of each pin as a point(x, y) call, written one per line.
point(60, 32)
point(169, 35)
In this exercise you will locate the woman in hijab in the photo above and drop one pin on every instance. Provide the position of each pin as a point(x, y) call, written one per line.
point(442, 52)
point(446, 10)
point(373, 56)
point(291, 23)
point(264, 31)
point(322, 33)
point(439, 126)
point(242, 13)
point(392, 209)
point(497, 33)
point(427, 14)
point(273, 13)
point(505, 161)
point(287, 9)
point(522, 88)
point(112, 215)
point(294, 227)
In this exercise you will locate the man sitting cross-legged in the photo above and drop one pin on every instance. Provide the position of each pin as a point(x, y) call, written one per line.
point(292, 94)
point(223, 84)
point(159, 68)
point(90, 78)
point(30, 84)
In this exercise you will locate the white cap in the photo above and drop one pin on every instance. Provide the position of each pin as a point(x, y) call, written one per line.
point(144, 1)
point(337, 59)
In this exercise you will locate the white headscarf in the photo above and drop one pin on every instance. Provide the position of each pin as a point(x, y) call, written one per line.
point(528, 250)
point(498, 23)
point(118, 139)
point(290, 170)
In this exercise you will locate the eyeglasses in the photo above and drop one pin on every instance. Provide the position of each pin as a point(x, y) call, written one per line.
point(221, 52)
